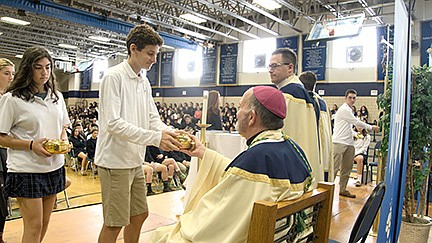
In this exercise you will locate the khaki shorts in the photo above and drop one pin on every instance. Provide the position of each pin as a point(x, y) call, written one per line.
point(123, 195)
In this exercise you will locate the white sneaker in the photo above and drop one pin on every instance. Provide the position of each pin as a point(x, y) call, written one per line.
point(358, 183)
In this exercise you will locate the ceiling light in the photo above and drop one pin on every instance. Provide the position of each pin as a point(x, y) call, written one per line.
point(1, 33)
point(19, 56)
point(68, 46)
point(99, 38)
point(193, 18)
point(14, 21)
point(168, 47)
point(268, 4)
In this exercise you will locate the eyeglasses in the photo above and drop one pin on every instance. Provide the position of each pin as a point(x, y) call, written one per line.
point(273, 66)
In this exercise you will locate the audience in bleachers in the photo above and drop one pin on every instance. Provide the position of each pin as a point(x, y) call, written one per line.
point(186, 116)
point(170, 167)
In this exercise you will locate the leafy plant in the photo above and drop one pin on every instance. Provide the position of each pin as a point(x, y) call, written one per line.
point(420, 137)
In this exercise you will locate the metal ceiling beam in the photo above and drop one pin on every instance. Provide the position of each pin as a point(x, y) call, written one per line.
point(357, 9)
point(23, 38)
point(295, 9)
point(268, 15)
point(223, 10)
point(82, 17)
point(176, 4)
point(129, 14)
point(189, 23)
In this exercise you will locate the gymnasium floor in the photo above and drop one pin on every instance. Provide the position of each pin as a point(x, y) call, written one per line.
point(83, 223)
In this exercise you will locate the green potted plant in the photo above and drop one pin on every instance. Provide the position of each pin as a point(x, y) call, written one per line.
point(419, 156)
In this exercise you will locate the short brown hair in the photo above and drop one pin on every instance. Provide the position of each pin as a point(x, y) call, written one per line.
point(143, 35)
point(350, 91)
point(308, 79)
point(288, 55)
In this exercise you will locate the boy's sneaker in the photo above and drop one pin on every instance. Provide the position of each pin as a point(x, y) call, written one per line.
point(358, 183)
point(182, 176)
point(346, 193)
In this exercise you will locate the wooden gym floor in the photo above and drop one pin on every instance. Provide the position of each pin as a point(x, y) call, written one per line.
point(83, 223)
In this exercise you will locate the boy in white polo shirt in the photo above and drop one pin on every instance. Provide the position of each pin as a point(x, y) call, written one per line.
point(343, 141)
point(128, 122)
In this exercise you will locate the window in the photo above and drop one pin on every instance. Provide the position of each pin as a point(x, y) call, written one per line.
point(256, 54)
point(189, 63)
point(100, 66)
point(359, 51)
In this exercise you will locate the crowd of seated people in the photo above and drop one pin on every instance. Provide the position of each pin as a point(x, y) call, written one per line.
point(229, 117)
point(171, 167)
point(185, 115)
point(82, 132)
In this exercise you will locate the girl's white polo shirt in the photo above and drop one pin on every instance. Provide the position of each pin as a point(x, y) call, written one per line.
point(32, 120)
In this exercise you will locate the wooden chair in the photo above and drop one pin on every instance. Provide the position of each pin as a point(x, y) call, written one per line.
point(265, 215)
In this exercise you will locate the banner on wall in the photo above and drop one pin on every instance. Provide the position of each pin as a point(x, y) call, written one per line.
point(153, 74)
point(86, 77)
point(314, 57)
point(290, 42)
point(166, 73)
point(208, 76)
point(426, 43)
point(228, 64)
point(385, 36)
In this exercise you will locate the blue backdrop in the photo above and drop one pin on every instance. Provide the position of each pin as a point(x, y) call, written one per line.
point(391, 210)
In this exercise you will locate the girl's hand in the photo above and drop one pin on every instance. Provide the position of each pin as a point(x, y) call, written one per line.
point(39, 149)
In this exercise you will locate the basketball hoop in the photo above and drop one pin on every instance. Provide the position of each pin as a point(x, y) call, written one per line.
point(330, 29)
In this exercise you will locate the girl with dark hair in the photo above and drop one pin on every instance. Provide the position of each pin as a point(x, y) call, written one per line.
point(213, 112)
point(79, 147)
point(33, 111)
point(364, 113)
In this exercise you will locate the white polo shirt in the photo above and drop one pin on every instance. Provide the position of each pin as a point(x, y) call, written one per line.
point(128, 118)
point(32, 120)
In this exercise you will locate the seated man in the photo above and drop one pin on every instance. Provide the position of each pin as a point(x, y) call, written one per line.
point(158, 159)
point(273, 168)
point(182, 160)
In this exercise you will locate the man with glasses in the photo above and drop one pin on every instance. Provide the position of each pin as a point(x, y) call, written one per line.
point(343, 140)
point(301, 122)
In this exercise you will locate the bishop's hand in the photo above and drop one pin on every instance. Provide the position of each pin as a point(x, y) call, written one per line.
point(197, 150)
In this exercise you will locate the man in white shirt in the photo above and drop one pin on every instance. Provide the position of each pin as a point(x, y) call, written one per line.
point(129, 121)
point(343, 141)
